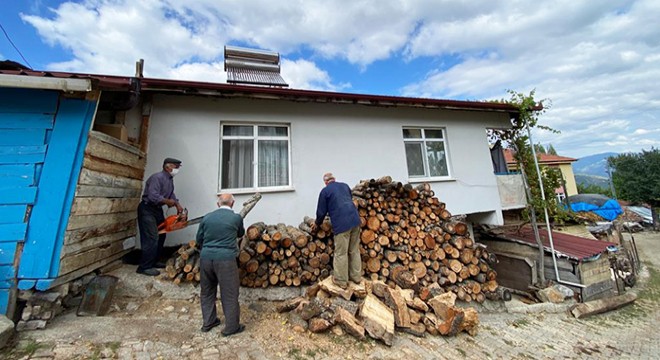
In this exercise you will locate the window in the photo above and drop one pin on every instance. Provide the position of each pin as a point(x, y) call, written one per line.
point(255, 157)
point(426, 153)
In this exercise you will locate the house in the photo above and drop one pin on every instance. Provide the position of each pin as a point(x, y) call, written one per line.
point(563, 163)
point(231, 138)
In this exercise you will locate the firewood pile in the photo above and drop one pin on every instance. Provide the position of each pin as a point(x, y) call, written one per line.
point(285, 255)
point(408, 236)
point(375, 309)
point(408, 239)
point(184, 264)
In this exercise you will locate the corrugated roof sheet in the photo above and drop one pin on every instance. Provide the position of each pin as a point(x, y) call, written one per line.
point(567, 245)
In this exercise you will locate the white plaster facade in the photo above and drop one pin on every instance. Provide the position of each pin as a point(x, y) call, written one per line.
point(353, 141)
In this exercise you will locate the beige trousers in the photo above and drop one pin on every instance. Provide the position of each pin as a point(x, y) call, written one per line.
point(347, 263)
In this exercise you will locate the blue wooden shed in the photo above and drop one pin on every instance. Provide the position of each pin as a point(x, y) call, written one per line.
point(67, 204)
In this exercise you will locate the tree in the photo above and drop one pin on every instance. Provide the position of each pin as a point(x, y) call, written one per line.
point(636, 178)
point(593, 189)
point(551, 150)
point(539, 148)
point(517, 137)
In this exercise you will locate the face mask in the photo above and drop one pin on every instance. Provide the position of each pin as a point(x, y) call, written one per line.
point(174, 172)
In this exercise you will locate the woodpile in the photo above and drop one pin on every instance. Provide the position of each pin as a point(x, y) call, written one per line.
point(184, 264)
point(410, 239)
point(377, 310)
point(281, 255)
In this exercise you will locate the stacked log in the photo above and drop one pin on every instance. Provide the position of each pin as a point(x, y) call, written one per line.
point(283, 255)
point(407, 231)
point(183, 266)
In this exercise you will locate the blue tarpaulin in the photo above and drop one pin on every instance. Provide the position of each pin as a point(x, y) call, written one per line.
point(598, 204)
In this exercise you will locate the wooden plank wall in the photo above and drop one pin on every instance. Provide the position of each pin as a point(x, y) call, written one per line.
point(104, 211)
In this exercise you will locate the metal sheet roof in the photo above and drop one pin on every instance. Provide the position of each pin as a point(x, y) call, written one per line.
point(567, 245)
point(184, 87)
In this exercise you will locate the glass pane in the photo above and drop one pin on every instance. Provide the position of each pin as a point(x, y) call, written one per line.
point(237, 160)
point(273, 131)
point(433, 133)
point(414, 159)
point(236, 130)
point(273, 163)
point(412, 133)
point(437, 158)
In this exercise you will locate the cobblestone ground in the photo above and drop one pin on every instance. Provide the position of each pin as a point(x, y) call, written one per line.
point(166, 328)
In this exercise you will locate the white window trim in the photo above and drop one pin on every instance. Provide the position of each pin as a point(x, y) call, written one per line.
point(420, 179)
point(255, 162)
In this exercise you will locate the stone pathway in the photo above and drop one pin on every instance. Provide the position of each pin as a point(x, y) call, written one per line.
point(170, 330)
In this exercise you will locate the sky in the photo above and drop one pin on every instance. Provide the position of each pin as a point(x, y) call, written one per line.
point(595, 64)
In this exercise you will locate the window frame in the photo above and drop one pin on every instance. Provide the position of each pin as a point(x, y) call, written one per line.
point(423, 139)
point(255, 137)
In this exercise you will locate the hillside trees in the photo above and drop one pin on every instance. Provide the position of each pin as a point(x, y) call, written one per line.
point(636, 178)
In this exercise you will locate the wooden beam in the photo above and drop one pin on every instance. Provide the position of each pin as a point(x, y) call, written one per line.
point(109, 167)
point(98, 241)
point(90, 177)
point(73, 236)
point(116, 143)
point(86, 221)
point(90, 257)
point(106, 151)
point(107, 192)
point(600, 306)
point(102, 205)
point(80, 272)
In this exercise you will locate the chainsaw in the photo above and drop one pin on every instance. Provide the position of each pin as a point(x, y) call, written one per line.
point(177, 222)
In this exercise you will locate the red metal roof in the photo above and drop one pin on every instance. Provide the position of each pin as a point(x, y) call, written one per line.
point(546, 159)
point(108, 82)
point(570, 246)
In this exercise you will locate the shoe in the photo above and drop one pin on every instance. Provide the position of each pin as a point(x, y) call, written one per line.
point(208, 328)
point(148, 272)
point(341, 285)
point(159, 265)
point(240, 329)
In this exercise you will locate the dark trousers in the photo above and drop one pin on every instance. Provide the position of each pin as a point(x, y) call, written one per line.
point(149, 217)
point(225, 274)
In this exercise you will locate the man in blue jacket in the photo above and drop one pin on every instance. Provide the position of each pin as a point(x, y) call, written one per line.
point(336, 200)
point(217, 239)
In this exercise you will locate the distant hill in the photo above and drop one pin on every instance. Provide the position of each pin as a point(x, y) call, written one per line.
point(595, 165)
point(587, 180)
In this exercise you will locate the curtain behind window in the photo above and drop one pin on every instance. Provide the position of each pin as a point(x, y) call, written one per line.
point(237, 160)
point(273, 162)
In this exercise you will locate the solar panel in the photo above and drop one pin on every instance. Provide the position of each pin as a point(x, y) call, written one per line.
point(253, 66)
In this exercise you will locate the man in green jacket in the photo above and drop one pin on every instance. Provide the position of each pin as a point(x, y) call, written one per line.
point(217, 239)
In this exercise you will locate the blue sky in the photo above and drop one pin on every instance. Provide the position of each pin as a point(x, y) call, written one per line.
point(597, 62)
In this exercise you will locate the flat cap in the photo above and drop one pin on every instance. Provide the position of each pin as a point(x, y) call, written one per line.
point(171, 161)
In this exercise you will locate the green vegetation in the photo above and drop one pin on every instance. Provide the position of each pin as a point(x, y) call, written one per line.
point(462, 352)
point(593, 189)
point(636, 178)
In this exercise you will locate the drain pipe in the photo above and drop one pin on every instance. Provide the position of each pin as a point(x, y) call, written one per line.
point(547, 217)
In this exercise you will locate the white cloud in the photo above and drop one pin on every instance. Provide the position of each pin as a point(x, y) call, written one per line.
point(597, 62)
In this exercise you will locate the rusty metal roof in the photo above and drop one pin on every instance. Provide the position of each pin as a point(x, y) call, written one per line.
point(544, 159)
point(184, 87)
point(566, 245)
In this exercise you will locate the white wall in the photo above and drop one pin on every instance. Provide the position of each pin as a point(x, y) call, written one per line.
point(353, 141)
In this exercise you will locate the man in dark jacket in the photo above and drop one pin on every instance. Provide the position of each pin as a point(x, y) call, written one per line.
point(158, 191)
point(217, 239)
point(336, 200)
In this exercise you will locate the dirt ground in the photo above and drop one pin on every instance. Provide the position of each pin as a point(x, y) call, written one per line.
point(152, 319)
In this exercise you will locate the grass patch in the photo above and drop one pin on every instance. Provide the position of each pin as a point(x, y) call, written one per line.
point(311, 353)
point(295, 353)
